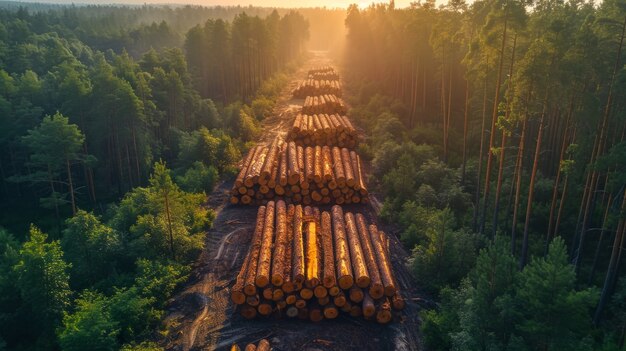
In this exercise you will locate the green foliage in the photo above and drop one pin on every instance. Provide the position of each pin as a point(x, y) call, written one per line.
point(198, 178)
point(91, 247)
point(445, 255)
point(91, 326)
point(552, 311)
point(157, 280)
point(43, 280)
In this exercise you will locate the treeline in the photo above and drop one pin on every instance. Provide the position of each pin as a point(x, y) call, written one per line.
point(496, 131)
point(111, 158)
point(230, 61)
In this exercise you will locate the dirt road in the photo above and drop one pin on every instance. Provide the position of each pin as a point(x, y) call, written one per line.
point(201, 316)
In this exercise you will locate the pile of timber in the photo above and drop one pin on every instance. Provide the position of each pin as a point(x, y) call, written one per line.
point(300, 174)
point(323, 129)
point(312, 264)
point(331, 75)
point(262, 345)
point(323, 104)
point(317, 87)
point(321, 69)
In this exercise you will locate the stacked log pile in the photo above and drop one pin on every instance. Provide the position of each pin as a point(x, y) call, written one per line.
point(330, 75)
point(311, 264)
point(321, 70)
point(323, 104)
point(298, 174)
point(317, 87)
point(323, 129)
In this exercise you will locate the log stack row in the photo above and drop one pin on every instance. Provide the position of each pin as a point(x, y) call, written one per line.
point(317, 87)
point(321, 69)
point(311, 264)
point(299, 174)
point(330, 75)
point(328, 104)
point(323, 129)
point(262, 345)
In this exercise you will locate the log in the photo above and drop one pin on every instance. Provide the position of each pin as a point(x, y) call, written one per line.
point(339, 300)
point(265, 253)
point(384, 265)
point(397, 301)
point(356, 294)
point(265, 308)
point(323, 301)
point(318, 174)
point(255, 247)
point(342, 253)
point(330, 312)
point(250, 347)
point(300, 304)
point(347, 167)
point(312, 259)
point(268, 293)
point(306, 293)
point(235, 347)
point(309, 164)
point(376, 289)
point(327, 165)
point(290, 299)
point(263, 345)
point(255, 171)
point(270, 163)
point(280, 246)
point(298, 248)
point(320, 291)
point(293, 168)
point(347, 307)
point(292, 311)
point(288, 284)
point(248, 312)
point(340, 176)
point(328, 278)
point(383, 313)
point(315, 313)
point(244, 168)
point(236, 293)
point(369, 309)
point(359, 266)
point(253, 300)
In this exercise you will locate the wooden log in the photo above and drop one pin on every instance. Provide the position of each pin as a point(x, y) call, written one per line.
point(265, 308)
point(263, 345)
point(328, 279)
point(356, 294)
point(347, 167)
point(369, 309)
point(249, 287)
point(255, 171)
point(268, 293)
point(293, 168)
point(309, 164)
point(340, 175)
point(265, 253)
point(283, 166)
point(362, 187)
point(340, 299)
point(315, 313)
point(244, 168)
point(303, 313)
point(270, 163)
point(323, 301)
point(376, 289)
point(306, 293)
point(356, 311)
point(288, 284)
point(298, 264)
point(248, 312)
point(300, 303)
point(397, 301)
point(327, 165)
point(330, 312)
point(291, 299)
point(312, 258)
point(247, 180)
point(318, 174)
point(235, 347)
point(342, 253)
point(359, 266)
point(253, 300)
point(277, 295)
point(383, 313)
point(236, 293)
point(334, 291)
point(384, 265)
point(320, 291)
point(280, 245)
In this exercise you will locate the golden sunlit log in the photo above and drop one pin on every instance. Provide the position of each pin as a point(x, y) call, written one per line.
point(280, 245)
point(255, 247)
point(342, 252)
point(298, 265)
point(312, 254)
point(376, 289)
point(288, 284)
point(383, 312)
point(384, 265)
point(265, 253)
point(237, 295)
point(359, 266)
point(328, 278)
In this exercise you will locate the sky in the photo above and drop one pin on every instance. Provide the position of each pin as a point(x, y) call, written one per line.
point(263, 3)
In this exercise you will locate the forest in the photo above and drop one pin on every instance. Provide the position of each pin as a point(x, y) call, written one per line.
point(113, 130)
point(494, 131)
point(496, 135)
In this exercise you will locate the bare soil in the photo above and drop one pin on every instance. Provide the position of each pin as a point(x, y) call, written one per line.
point(202, 317)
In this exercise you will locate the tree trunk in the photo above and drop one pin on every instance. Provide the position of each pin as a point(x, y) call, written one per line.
point(169, 226)
point(71, 185)
point(480, 158)
point(531, 188)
